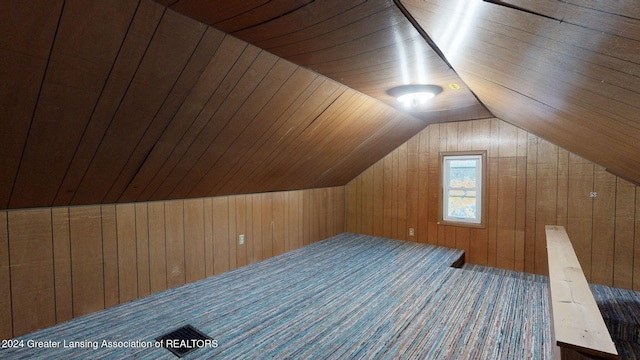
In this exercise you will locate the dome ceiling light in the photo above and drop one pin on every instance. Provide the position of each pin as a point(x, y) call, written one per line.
point(414, 96)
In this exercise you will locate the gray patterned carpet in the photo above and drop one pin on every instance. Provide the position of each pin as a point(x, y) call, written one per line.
point(620, 309)
point(348, 297)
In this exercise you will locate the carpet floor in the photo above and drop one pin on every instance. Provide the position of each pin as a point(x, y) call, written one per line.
point(347, 297)
point(620, 310)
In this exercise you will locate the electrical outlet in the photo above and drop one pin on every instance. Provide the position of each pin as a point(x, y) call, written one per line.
point(241, 239)
point(411, 232)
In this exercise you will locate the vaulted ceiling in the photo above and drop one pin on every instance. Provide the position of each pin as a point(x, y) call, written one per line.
point(135, 100)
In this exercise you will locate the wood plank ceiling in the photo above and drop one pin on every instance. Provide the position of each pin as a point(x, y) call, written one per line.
point(135, 100)
point(369, 46)
point(119, 101)
point(567, 71)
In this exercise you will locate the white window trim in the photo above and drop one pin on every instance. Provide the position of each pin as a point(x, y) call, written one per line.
point(480, 158)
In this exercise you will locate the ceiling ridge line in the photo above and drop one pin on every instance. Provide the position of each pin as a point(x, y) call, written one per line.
point(436, 49)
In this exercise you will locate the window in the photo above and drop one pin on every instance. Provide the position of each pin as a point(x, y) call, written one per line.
point(462, 188)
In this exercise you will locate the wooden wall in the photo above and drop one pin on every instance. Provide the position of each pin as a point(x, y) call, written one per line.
point(531, 183)
point(63, 262)
point(128, 101)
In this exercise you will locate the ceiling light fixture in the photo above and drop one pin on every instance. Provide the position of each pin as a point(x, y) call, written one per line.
point(415, 99)
point(415, 96)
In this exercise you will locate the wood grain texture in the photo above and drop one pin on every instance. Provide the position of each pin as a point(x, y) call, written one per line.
point(624, 234)
point(194, 240)
point(241, 229)
point(257, 233)
point(232, 241)
point(636, 249)
point(577, 322)
point(279, 238)
point(546, 199)
point(174, 227)
point(564, 76)
point(130, 54)
point(532, 183)
point(221, 234)
point(6, 321)
point(30, 32)
point(208, 237)
point(88, 271)
point(142, 249)
point(267, 225)
point(63, 262)
point(157, 247)
point(492, 191)
point(110, 255)
point(127, 252)
point(32, 270)
point(87, 41)
point(423, 189)
point(249, 231)
point(132, 101)
point(580, 210)
point(521, 202)
point(531, 196)
point(603, 248)
point(165, 59)
point(369, 46)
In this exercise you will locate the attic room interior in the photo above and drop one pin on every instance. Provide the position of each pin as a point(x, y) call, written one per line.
point(277, 174)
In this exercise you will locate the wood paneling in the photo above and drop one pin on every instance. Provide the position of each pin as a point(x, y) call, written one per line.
point(370, 46)
point(142, 249)
point(110, 255)
point(131, 101)
point(29, 30)
point(625, 215)
point(127, 254)
point(88, 37)
point(267, 225)
point(64, 262)
point(221, 253)
point(6, 320)
point(232, 236)
point(565, 71)
point(532, 183)
point(31, 267)
point(603, 243)
point(174, 227)
point(194, 250)
point(580, 209)
point(87, 270)
point(279, 238)
point(546, 199)
point(157, 247)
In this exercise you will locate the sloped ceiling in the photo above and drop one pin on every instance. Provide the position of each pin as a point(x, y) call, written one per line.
point(117, 101)
point(568, 70)
point(370, 46)
point(565, 70)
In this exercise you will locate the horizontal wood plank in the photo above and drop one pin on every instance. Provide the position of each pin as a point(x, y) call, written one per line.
point(577, 322)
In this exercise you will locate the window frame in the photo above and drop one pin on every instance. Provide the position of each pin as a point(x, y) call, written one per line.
point(481, 207)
